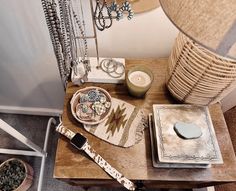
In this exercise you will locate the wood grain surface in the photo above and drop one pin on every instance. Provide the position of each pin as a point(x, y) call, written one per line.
point(135, 162)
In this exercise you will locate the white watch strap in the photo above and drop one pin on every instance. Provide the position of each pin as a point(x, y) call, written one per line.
point(108, 168)
point(64, 131)
point(98, 159)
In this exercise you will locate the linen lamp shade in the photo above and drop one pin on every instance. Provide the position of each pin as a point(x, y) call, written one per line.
point(210, 23)
point(202, 64)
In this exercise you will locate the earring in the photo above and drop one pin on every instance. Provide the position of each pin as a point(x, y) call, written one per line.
point(126, 6)
point(102, 15)
point(115, 8)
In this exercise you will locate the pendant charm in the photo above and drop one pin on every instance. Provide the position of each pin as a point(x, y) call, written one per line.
point(87, 65)
point(84, 98)
point(92, 95)
point(115, 8)
point(126, 6)
point(83, 111)
point(102, 15)
point(99, 108)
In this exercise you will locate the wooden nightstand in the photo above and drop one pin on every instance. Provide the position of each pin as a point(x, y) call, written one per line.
point(135, 163)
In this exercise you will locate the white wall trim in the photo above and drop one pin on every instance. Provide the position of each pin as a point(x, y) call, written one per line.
point(30, 110)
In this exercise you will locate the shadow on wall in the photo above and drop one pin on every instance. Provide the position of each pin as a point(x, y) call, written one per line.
point(14, 93)
point(10, 90)
point(147, 35)
point(44, 99)
point(29, 75)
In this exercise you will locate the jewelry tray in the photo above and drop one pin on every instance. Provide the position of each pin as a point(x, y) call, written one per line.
point(155, 161)
point(173, 149)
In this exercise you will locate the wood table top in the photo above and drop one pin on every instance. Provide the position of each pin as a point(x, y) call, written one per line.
point(135, 162)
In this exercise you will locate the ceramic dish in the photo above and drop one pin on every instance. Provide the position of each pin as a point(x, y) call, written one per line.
point(91, 105)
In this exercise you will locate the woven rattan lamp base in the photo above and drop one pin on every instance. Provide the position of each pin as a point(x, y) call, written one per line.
point(197, 75)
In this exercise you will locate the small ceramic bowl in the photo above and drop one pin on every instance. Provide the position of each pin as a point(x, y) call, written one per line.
point(29, 172)
point(91, 105)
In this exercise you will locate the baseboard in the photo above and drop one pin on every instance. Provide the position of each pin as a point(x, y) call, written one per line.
point(30, 110)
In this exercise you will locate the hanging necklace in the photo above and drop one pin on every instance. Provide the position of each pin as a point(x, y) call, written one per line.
point(66, 31)
point(81, 35)
point(102, 15)
point(86, 61)
point(66, 39)
point(74, 48)
point(78, 43)
point(78, 24)
point(56, 35)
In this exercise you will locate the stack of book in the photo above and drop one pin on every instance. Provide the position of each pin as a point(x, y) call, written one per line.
point(169, 150)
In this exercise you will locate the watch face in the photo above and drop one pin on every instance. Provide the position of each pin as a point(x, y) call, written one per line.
point(78, 140)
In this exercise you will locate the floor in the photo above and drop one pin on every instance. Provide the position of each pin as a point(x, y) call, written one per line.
point(34, 127)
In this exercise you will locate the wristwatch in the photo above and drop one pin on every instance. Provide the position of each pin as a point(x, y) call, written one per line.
point(81, 143)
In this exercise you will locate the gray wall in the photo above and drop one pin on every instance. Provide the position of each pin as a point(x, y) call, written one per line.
point(29, 77)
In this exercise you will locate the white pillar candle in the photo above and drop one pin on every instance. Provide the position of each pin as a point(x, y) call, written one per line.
point(139, 78)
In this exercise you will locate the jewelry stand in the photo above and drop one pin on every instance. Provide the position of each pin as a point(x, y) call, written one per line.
point(96, 75)
point(67, 30)
point(37, 151)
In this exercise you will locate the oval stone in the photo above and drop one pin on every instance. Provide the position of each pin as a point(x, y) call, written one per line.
point(187, 130)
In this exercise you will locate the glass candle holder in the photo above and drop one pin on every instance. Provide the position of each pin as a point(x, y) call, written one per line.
point(139, 79)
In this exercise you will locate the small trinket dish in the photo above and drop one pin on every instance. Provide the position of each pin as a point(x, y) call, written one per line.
point(91, 105)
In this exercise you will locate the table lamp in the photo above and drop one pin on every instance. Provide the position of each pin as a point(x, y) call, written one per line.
point(202, 65)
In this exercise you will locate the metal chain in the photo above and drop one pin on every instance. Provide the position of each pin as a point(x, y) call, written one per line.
point(66, 50)
point(53, 32)
point(81, 38)
point(83, 23)
point(103, 21)
point(82, 32)
point(100, 18)
point(68, 32)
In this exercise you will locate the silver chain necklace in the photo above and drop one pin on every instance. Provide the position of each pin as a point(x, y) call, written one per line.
point(63, 35)
point(53, 23)
point(68, 31)
point(81, 35)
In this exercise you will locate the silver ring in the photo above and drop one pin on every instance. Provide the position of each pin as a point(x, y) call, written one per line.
point(106, 66)
point(111, 66)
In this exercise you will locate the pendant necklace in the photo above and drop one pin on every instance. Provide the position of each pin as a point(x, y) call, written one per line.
point(102, 15)
point(56, 35)
point(81, 42)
